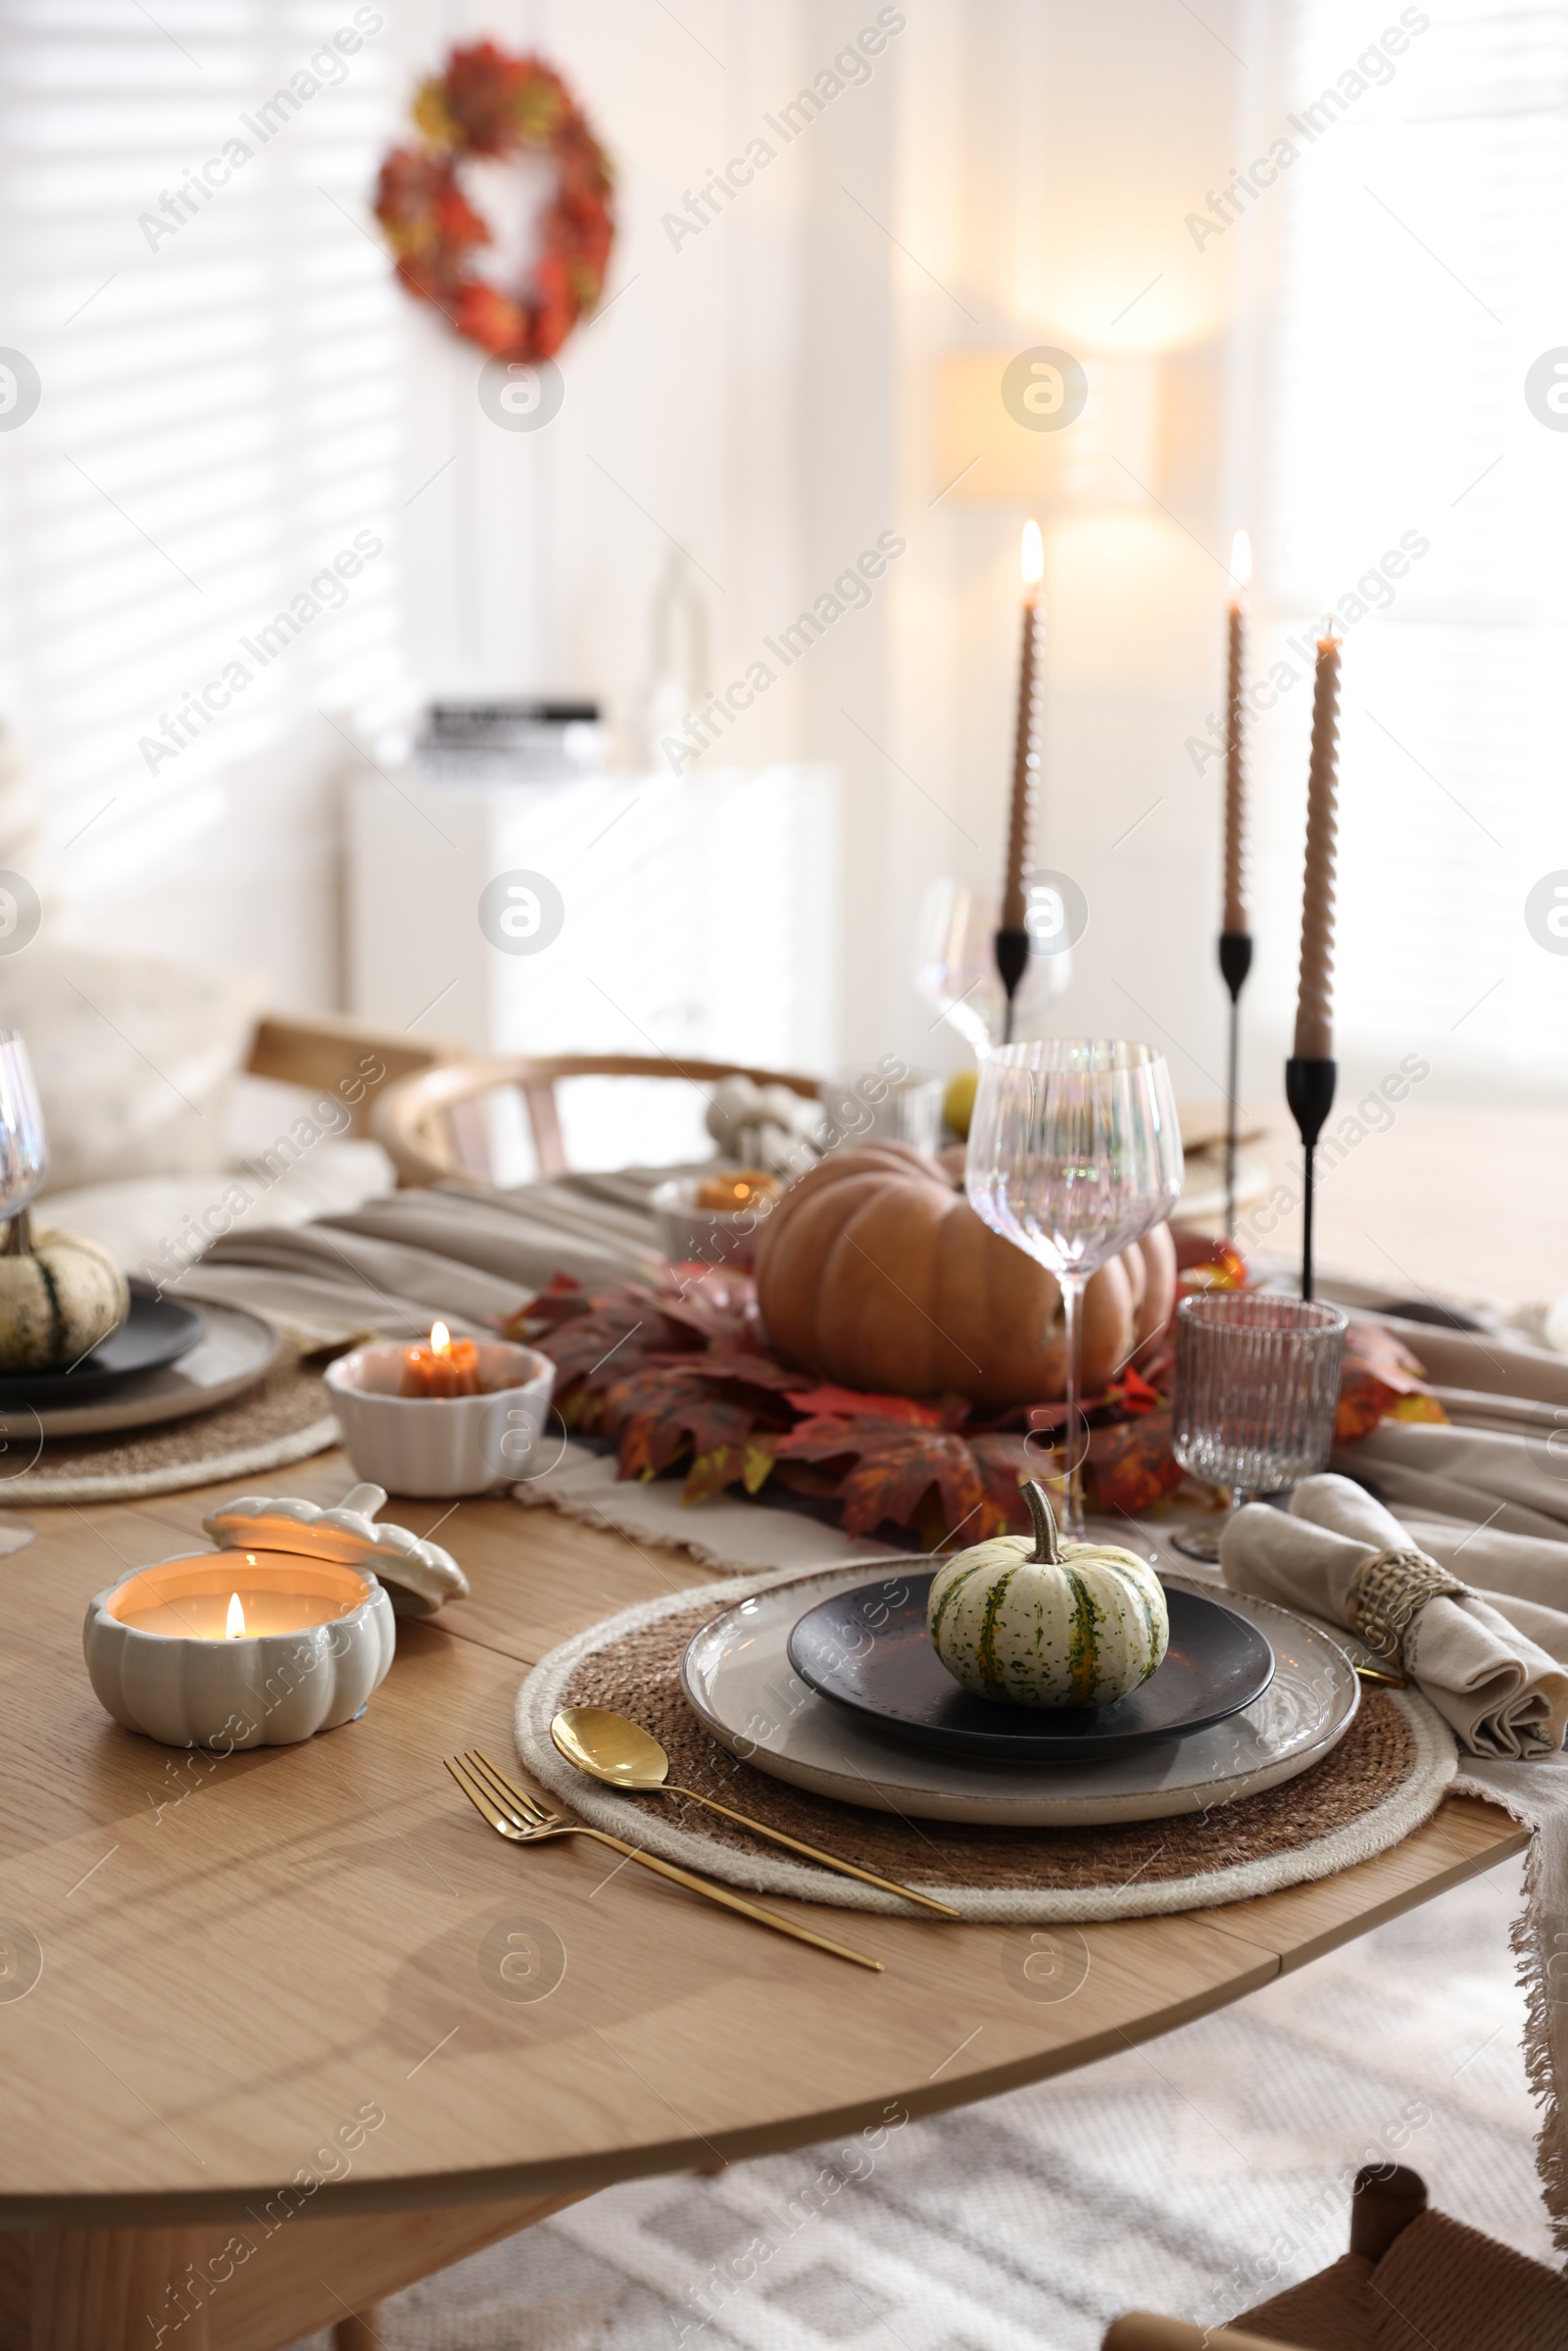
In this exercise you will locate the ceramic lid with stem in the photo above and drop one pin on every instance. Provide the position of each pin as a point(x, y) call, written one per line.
point(420, 1577)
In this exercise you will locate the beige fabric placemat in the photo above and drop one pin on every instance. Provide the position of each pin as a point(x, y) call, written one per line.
point(1386, 1777)
point(282, 1419)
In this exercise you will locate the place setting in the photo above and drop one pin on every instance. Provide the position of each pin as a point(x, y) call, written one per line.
point(1061, 1725)
point(95, 1365)
point(1068, 1724)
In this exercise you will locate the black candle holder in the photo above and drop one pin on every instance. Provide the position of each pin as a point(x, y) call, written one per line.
point(1012, 960)
point(1234, 962)
point(1309, 1091)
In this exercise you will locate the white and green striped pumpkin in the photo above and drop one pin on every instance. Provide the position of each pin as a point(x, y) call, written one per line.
point(60, 1294)
point(1031, 1621)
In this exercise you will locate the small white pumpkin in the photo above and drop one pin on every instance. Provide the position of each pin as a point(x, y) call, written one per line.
point(1030, 1621)
point(60, 1296)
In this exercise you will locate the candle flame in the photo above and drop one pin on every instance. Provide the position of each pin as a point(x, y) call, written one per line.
point(234, 1626)
point(440, 1338)
point(1032, 555)
point(1240, 558)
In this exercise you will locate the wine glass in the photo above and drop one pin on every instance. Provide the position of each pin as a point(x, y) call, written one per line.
point(1258, 1386)
point(956, 961)
point(1074, 1150)
point(24, 1151)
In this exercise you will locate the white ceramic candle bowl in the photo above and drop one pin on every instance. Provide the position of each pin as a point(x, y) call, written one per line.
point(689, 1235)
point(435, 1446)
point(160, 1663)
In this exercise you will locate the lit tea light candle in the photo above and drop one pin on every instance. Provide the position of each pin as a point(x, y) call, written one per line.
point(231, 1650)
point(728, 1194)
point(493, 1397)
point(447, 1366)
point(244, 1596)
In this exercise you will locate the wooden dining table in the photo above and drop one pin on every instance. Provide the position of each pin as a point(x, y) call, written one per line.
point(260, 2067)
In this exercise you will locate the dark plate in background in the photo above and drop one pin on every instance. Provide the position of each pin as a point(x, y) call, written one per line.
point(868, 1651)
point(153, 1334)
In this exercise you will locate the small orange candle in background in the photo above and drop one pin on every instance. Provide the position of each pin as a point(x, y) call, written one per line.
point(447, 1366)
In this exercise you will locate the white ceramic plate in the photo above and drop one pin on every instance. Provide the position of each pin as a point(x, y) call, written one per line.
point(236, 1350)
point(738, 1679)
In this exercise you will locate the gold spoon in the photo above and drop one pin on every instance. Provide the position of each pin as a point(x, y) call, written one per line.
point(623, 1754)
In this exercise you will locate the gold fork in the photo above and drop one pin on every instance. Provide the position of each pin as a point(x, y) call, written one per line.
point(523, 1821)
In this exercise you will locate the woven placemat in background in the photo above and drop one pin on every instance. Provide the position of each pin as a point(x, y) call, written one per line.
point(640, 1677)
point(283, 1418)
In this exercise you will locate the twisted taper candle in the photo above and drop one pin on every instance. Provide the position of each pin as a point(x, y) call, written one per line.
point(1235, 775)
point(1025, 768)
point(1314, 1006)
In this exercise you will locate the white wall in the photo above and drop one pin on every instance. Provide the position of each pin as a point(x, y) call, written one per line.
point(766, 393)
point(764, 397)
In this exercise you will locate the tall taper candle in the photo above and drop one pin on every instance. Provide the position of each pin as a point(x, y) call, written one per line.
point(1235, 923)
point(1013, 937)
point(1314, 1005)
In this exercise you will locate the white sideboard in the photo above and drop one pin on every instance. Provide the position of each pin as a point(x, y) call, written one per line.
point(699, 918)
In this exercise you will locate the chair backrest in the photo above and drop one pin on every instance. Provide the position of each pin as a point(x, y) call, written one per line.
point(1144, 2330)
point(432, 1122)
point(335, 1053)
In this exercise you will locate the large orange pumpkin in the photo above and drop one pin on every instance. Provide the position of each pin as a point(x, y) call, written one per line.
point(872, 1271)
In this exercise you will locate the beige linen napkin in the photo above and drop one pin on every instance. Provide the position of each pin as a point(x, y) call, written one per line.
point(1502, 1687)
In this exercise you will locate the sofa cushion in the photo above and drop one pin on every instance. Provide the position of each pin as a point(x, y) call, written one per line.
point(158, 1226)
point(133, 1057)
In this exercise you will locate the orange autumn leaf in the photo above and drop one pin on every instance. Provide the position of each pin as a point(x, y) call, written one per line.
point(1224, 1268)
point(1132, 1467)
point(1381, 1381)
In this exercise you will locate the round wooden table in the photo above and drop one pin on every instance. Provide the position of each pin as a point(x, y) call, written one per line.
point(261, 2066)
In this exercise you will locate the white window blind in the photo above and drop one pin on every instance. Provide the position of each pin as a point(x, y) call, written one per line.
point(1415, 257)
point(189, 265)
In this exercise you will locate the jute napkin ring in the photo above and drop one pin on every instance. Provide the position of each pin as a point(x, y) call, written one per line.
point(1391, 1588)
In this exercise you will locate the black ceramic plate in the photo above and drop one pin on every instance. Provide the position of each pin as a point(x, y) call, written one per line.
point(153, 1334)
point(869, 1650)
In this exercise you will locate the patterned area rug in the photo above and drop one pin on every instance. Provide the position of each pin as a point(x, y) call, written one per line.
point(1196, 2175)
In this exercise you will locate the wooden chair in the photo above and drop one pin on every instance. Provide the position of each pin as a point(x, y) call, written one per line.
point(329, 1052)
point(1472, 2294)
point(431, 1123)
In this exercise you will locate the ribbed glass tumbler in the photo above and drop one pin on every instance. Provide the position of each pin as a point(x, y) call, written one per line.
point(1257, 1382)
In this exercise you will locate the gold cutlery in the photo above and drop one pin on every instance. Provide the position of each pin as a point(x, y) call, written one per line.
point(609, 1747)
point(523, 1821)
point(1380, 1680)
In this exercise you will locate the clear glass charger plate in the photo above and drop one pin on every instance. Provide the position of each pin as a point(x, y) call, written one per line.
point(738, 1679)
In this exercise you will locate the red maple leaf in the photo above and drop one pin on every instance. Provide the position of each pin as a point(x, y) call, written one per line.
point(904, 1472)
point(853, 1404)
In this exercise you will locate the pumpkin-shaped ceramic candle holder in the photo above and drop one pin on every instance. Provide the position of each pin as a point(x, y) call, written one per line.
point(440, 1445)
point(286, 1629)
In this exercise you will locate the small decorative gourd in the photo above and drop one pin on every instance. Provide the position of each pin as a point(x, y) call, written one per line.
point(1032, 1621)
point(60, 1296)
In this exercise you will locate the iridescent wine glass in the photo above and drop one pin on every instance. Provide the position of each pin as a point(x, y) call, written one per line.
point(1074, 1151)
point(956, 960)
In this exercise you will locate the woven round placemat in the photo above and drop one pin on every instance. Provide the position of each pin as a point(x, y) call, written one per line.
point(283, 1418)
point(1386, 1775)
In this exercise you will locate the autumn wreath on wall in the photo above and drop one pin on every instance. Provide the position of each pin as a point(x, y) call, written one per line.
point(486, 104)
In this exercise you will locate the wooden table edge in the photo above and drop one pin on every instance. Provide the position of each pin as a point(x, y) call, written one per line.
point(1241, 1920)
point(574, 2176)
